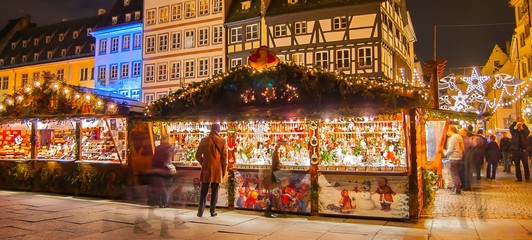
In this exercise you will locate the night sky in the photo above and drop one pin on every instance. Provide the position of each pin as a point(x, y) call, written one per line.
point(461, 46)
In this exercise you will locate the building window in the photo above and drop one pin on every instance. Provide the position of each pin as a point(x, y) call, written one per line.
point(61, 37)
point(124, 93)
point(365, 57)
point(175, 70)
point(189, 39)
point(163, 14)
point(176, 40)
point(48, 38)
point(190, 9)
point(524, 70)
point(84, 74)
point(101, 73)
point(35, 41)
point(245, 4)
point(13, 45)
point(176, 11)
point(150, 16)
point(126, 42)
point(217, 6)
point(128, 17)
point(189, 69)
point(161, 95)
point(203, 7)
point(150, 44)
point(203, 70)
point(342, 58)
point(150, 73)
point(12, 60)
point(136, 69)
point(63, 52)
point(236, 34)
point(78, 49)
point(292, 1)
point(24, 58)
point(75, 34)
point(36, 56)
point(5, 83)
point(114, 20)
point(322, 59)
point(137, 41)
point(300, 28)
point(89, 30)
point(203, 36)
point(24, 43)
point(339, 23)
point(217, 67)
point(149, 98)
point(252, 32)
point(298, 58)
point(1, 62)
point(124, 69)
point(113, 71)
point(114, 45)
point(163, 42)
point(49, 54)
point(280, 30)
point(236, 62)
point(217, 34)
point(60, 74)
point(92, 47)
point(162, 72)
point(91, 74)
point(35, 76)
point(103, 46)
point(24, 79)
point(137, 15)
point(126, 2)
point(135, 94)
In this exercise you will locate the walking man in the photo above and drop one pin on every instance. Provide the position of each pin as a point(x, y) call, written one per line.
point(520, 132)
point(212, 156)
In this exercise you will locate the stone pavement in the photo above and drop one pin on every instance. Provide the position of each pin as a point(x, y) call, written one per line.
point(26, 215)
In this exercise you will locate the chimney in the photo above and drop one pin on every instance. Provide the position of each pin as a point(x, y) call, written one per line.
point(101, 11)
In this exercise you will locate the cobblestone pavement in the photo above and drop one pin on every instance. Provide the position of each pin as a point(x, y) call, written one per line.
point(500, 199)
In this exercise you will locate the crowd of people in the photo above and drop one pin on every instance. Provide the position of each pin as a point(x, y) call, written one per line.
point(466, 152)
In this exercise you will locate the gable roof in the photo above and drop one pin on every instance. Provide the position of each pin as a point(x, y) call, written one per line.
point(279, 7)
point(119, 11)
point(236, 13)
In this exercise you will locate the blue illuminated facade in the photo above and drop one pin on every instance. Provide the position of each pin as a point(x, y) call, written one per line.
point(118, 51)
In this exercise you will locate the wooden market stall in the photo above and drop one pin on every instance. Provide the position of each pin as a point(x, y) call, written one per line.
point(65, 139)
point(346, 145)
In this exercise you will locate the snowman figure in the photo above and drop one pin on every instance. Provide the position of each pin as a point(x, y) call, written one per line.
point(364, 201)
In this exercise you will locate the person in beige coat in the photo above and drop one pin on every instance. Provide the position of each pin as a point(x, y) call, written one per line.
point(212, 156)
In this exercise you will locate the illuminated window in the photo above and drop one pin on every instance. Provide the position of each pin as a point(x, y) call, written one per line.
point(175, 70)
point(78, 50)
point(49, 54)
point(126, 2)
point(245, 5)
point(61, 37)
point(217, 6)
point(163, 14)
point(75, 34)
point(35, 41)
point(292, 1)
point(137, 15)
point(35, 57)
point(236, 62)
point(24, 58)
point(114, 20)
point(176, 11)
point(128, 17)
point(252, 32)
point(298, 58)
point(150, 16)
point(203, 36)
point(63, 52)
point(48, 38)
point(190, 9)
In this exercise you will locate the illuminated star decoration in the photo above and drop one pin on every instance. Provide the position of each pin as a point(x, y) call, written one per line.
point(460, 104)
point(475, 82)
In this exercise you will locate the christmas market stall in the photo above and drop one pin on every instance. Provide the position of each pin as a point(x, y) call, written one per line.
point(336, 145)
point(65, 139)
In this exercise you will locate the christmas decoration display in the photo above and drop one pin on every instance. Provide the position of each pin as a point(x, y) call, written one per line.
point(475, 99)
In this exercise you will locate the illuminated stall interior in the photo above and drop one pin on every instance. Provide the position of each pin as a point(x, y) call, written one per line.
point(56, 139)
point(104, 139)
point(16, 140)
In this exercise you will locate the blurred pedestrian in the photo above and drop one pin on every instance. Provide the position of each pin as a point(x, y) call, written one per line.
point(506, 150)
point(212, 156)
point(467, 166)
point(479, 151)
point(454, 152)
point(493, 156)
point(162, 171)
point(520, 132)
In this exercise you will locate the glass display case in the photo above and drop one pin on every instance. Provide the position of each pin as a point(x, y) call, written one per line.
point(104, 139)
point(15, 139)
point(56, 139)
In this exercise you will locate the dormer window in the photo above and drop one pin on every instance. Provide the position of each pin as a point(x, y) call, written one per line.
point(12, 60)
point(128, 17)
point(13, 45)
point(1, 62)
point(48, 38)
point(126, 2)
point(137, 15)
point(61, 37)
point(63, 52)
point(78, 49)
point(24, 58)
point(89, 30)
point(246, 4)
point(35, 41)
point(35, 57)
point(49, 54)
point(114, 20)
point(24, 43)
point(92, 47)
point(75, 34)
point(292, 1)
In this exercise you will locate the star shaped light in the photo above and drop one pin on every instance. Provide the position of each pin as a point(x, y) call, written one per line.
point(475, 82)
point(460, 104)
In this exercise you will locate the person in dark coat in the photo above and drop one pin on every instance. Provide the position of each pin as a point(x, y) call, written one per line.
point(479, 151)
point(212, 156)
point(493, 156)
point(506, 150)
point(160, 173)
point(520, 133)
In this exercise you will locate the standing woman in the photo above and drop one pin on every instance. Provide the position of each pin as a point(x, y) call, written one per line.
point(493, 156)
point(506, 149)
point(455, 148)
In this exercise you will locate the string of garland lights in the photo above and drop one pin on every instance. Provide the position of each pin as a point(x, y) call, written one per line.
point(284, 83)
point(48, 96)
